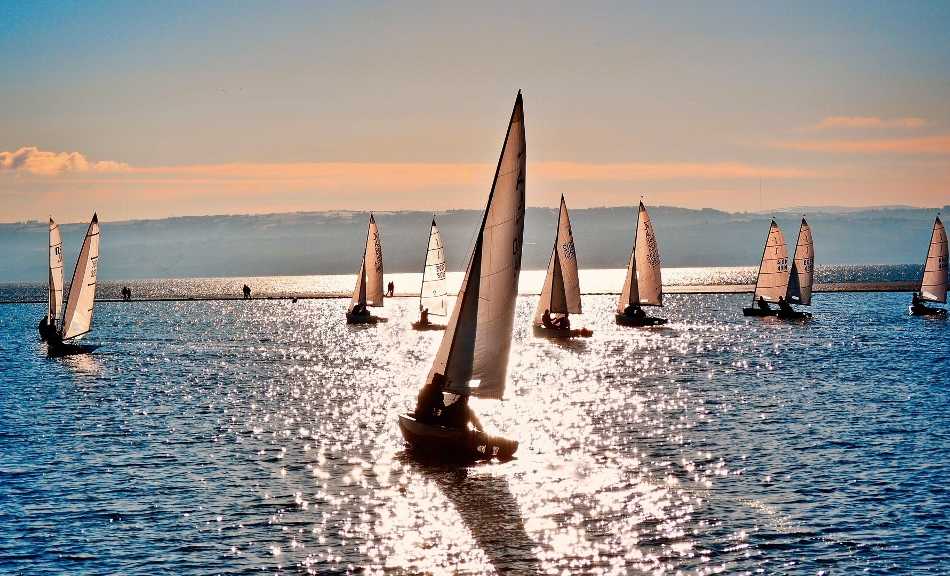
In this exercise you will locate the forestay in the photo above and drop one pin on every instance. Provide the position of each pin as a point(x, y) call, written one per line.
point(54, 309)
point(369, 281)
point(802, 276)
point(477, 341)
point(82, 288)
point(772, 283)
point(933, 285)
point(561, 293)
point(433, 295)
point(643, 285)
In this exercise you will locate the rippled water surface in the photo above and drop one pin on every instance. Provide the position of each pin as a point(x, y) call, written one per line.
point(236, 437)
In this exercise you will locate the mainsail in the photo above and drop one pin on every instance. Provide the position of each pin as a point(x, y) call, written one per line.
point(643, 285)
point(433, 295)
point(933, 284)
point(477, 341)
point(772, 283)
point(561, 293)
point(82, 288)
point(54, 309)
point(802, 276)
point(369, 281)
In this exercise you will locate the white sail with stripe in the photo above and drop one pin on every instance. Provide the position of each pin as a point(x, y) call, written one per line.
point(772, 282)
point(82, 290)
point(561, 293)
point(433, 296)
point(802, 276)
point(933, 283)
point(474, 351)
point(54, 308)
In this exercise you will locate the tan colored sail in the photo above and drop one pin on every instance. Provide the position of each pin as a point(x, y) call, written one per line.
point(933, 284)
point(54, 309)
point(802, 275)
point(772, 282)
point(369, 280)
point(561, 293)
point(82, 290)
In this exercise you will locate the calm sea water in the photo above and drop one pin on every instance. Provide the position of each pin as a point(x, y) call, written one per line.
point(248, 437)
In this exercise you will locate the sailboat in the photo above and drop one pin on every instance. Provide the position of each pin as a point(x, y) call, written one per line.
point(433, 299)
point(561, 294)
point(77, 320)
point(473, 357)
point(933, 282)
point(801, 277)
point(643, 285)
point(369, 280)
point(773, 282)
point(54, 306)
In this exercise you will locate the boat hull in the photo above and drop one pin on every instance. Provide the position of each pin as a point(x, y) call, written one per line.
point(625, 320)
point(927, 311)
point(793, 315)
point(59, 350)
point(361, 319)
point(543, 332)
point(454, 444)
point(427, 326)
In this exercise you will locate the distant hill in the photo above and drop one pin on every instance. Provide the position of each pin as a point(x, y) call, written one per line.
point(330, 242)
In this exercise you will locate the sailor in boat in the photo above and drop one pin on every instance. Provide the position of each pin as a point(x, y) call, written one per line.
point(359, 309)
point(784, 306)
point(46, 328)
point(917, 305)
point(763, 305)
point(424, 317)
point(634, 311)
point(432, 409)
point(560, 323)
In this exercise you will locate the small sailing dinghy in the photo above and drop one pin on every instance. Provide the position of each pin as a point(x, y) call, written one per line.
point(77, 320)
point(779, 284)
point(643, 285)
point(369, 280)
point(473, 357)
point(54, 308)
point(933, 282)
point(561, 295)
point(802, 275)
point(433, 299)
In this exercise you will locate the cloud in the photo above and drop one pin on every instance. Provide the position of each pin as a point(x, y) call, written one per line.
point(933, 145)
point(869, 122)
point(32, 160)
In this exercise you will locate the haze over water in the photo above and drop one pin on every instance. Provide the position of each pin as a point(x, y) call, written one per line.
point(236, 437)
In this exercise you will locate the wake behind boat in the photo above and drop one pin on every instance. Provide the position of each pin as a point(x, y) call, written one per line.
point(369, 280)
point(779, 284)
point(933, 281)
point(473, 357)
point(643, 285)
point(433, 299)
point(77, 320)
point(561, 295)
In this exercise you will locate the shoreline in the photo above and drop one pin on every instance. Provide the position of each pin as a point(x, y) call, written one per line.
point(682, 289)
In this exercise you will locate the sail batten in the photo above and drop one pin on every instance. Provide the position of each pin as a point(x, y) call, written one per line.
point(802, 275)
point(643, 284)
point(82, 289)
point(772, 282)
point(933, 282)
point(476, 344)
point(561, 293)
point(433, 295)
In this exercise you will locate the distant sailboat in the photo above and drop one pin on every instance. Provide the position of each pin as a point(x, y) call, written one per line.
point(561, 295)
point(473, 357)
point(802, 275)
point(433, 297)
point(779, 284)
point(54, 308)
point(933, 281)
point(77, 320)
point(643, 285)
point(369, 280)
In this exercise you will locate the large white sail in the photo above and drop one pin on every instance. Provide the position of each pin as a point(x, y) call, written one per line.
point(643, 285)
point(433, 295)
point(82, 290)
point(369, 281)
point(477, 341)
point(561, 293)
point(54, 309)
point(772, 283)
point(933, 285)
point(802, 276)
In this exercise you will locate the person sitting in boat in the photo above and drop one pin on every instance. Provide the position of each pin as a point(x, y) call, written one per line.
point(458, 414)
point(359, 309)
point(784, 306)
point(546, 319)
point(762, 304)
point(562, 323)
point(917, 306)
point(634, 311)
point(424, 317)
point(430, 403)
point(45, 327)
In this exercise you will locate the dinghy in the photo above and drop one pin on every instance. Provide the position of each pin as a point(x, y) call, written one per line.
point(643, 285)
point(54, 308)
point(473, 357)
point(77, 320)
point(802, 275)
point(772, 282)
point(433, 300)
point(369, 281)
point(561, 295)
point(933, 281)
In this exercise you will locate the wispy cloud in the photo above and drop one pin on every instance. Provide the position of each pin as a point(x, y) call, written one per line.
point(32, 160)
point(932, 145)
point(833, 122)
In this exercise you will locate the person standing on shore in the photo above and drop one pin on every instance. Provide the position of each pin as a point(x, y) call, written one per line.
point(247, 292)
point(391, 288)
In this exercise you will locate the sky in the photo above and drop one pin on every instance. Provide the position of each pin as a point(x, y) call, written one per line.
point(156, 109)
